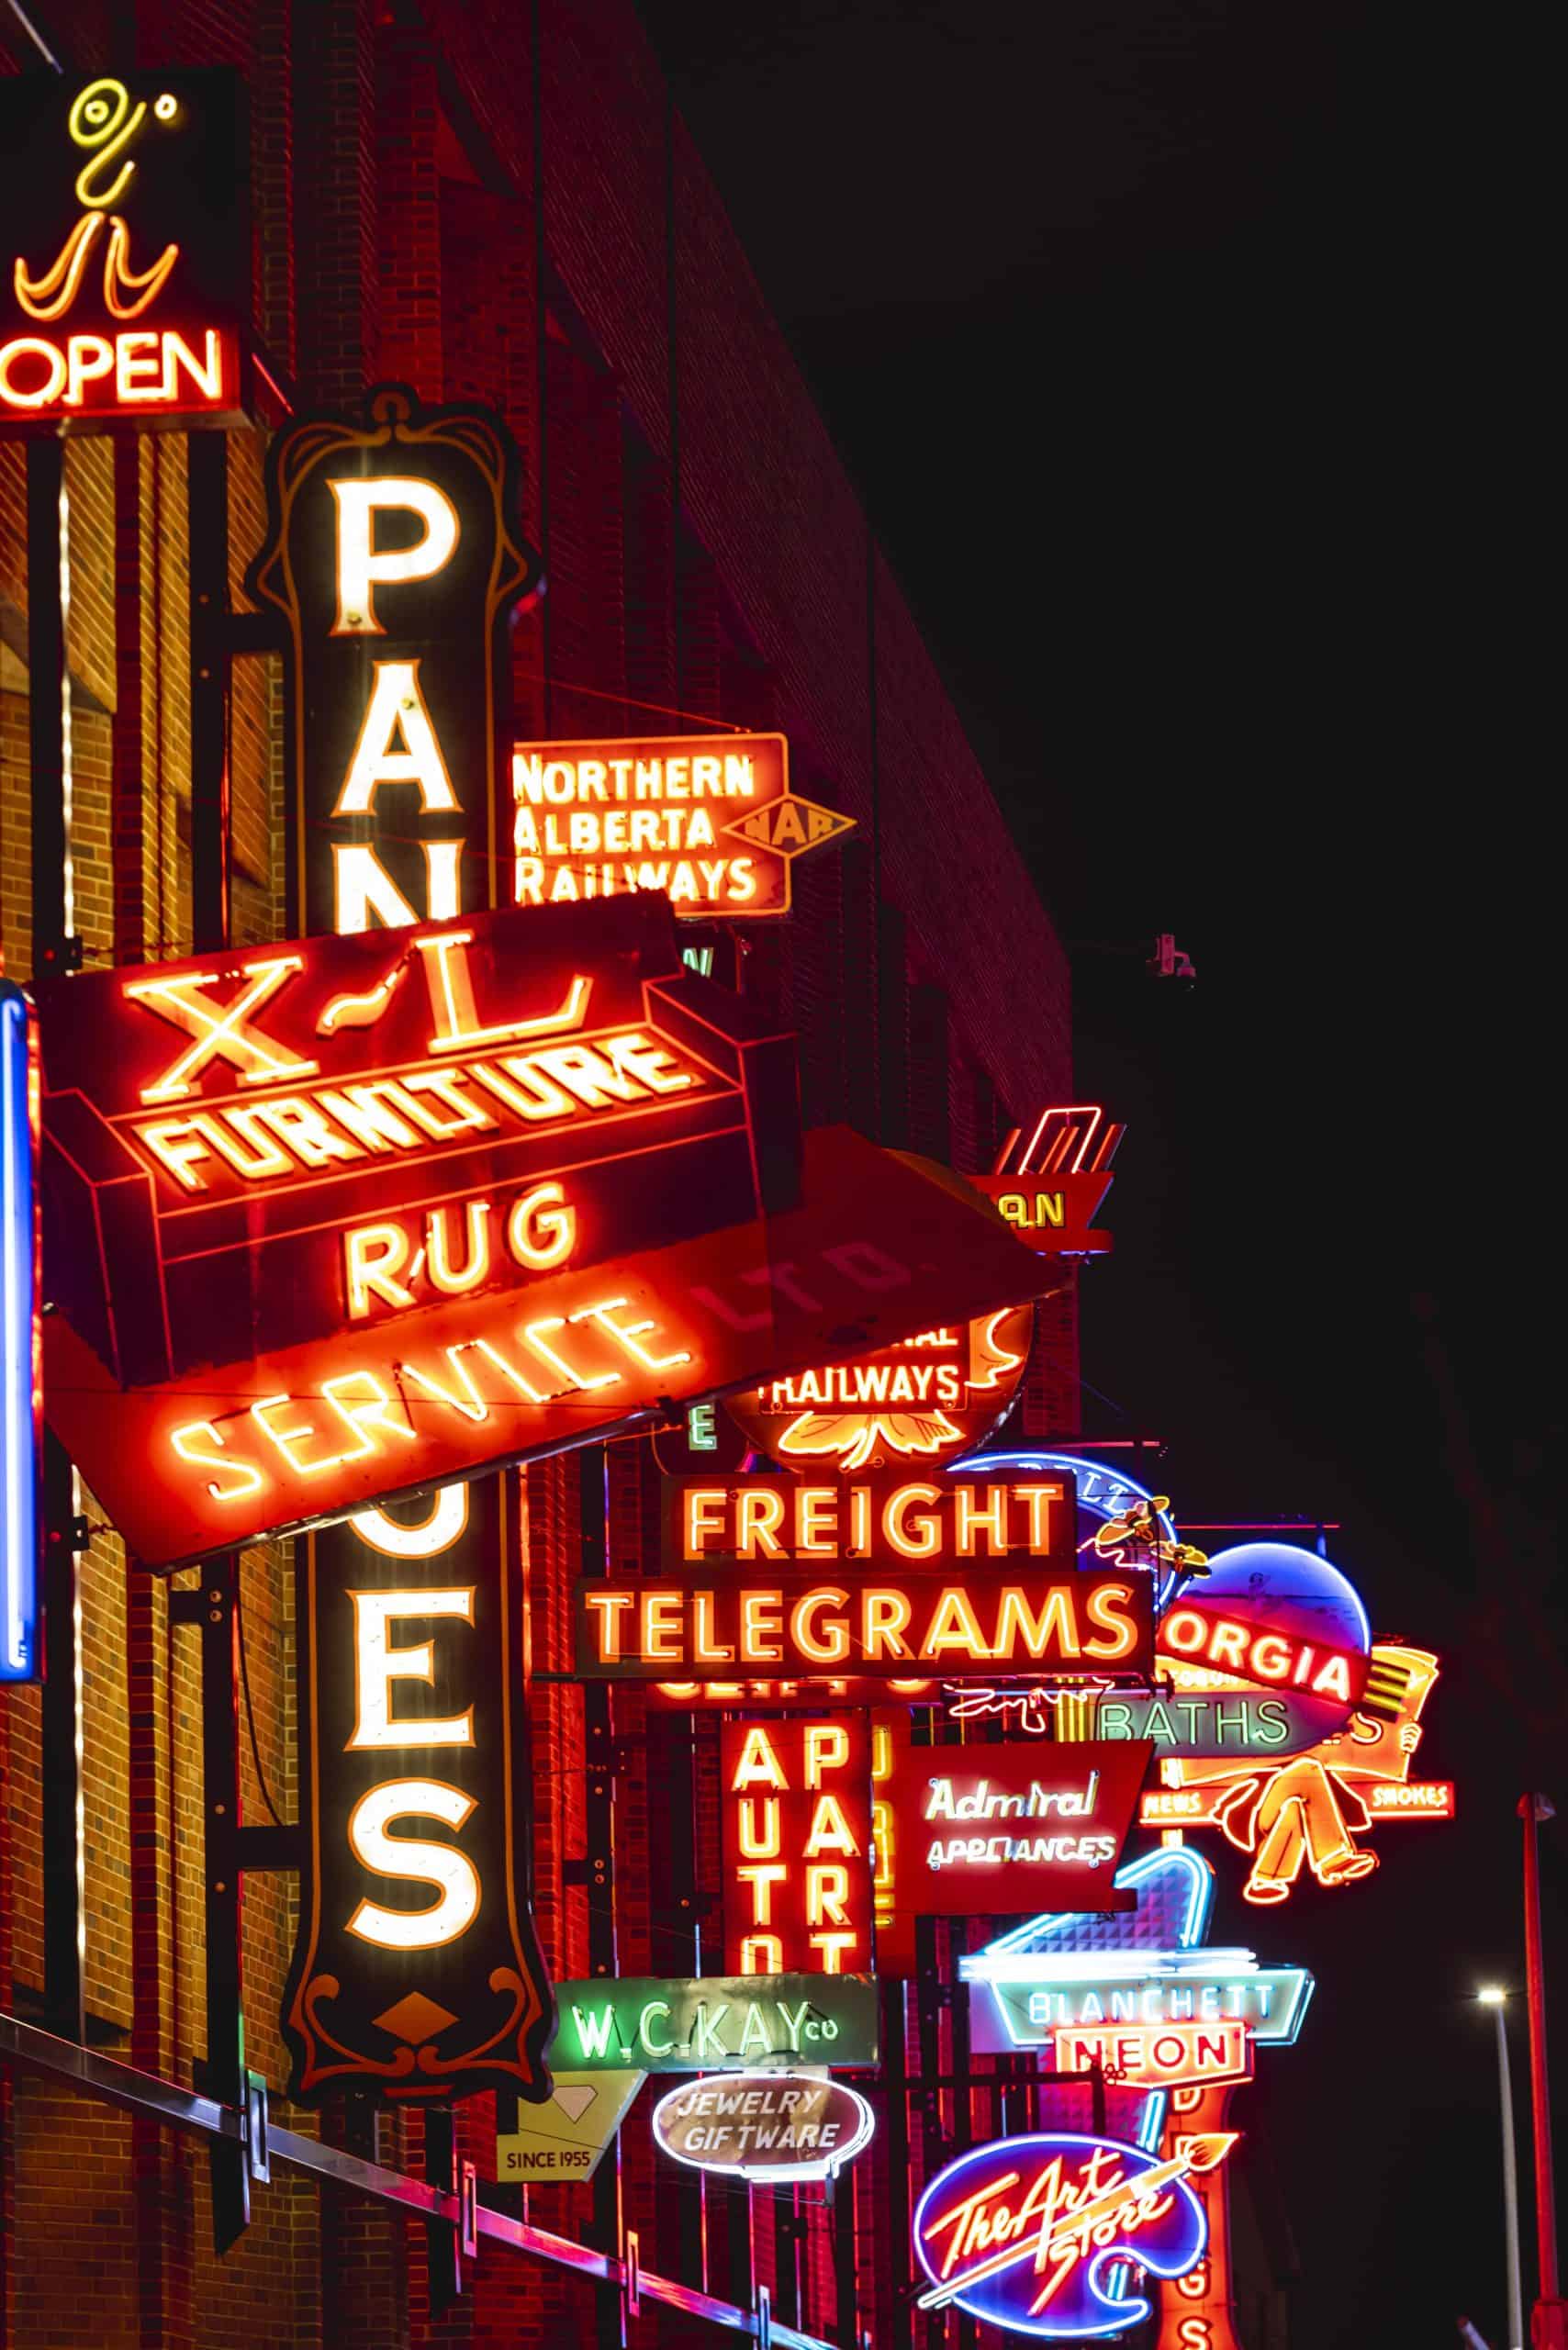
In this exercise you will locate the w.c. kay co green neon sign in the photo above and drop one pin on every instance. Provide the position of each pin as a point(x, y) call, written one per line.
point(714, 2022)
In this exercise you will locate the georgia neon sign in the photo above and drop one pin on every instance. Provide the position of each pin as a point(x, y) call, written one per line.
point(1302, 1814)
point(1025, 2233)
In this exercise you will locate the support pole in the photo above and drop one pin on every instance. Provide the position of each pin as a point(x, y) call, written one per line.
point(1548, 2329)
point(54, 952)
point(1510, 2183)
point(48, 747)
point(444, 2254)
point(213, 1608)
point(600, 1816)
point(895, 2068)
point(60, 1791)
point(207, 493)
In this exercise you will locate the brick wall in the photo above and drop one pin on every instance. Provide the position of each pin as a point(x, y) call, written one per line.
point(398, 230)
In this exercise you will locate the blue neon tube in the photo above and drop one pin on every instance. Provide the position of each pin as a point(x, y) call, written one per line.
point(21, 1392)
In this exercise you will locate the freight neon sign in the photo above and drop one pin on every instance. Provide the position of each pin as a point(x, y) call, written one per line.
point(1025, 2233)
point(886, 1520)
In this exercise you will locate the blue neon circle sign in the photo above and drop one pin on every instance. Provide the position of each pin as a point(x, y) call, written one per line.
point(1103, 1494)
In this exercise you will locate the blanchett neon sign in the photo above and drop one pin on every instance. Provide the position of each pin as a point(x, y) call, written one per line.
point(1026, 2232)
point(126, 303)
point(1157, 2056)
point(871, 1622)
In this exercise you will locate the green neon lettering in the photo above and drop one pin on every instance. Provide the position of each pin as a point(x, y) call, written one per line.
point(655, 2047)
point(594, 2027)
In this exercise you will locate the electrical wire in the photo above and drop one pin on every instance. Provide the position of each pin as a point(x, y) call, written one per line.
point(34, 34)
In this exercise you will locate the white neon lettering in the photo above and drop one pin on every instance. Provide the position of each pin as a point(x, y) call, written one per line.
point(361, 570)
point(412, 1861)
point(377, 1664)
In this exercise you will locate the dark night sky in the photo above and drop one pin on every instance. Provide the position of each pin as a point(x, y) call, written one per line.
point(1147, 333)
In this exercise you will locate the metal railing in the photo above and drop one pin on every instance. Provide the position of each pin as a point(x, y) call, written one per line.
point(24, 2048)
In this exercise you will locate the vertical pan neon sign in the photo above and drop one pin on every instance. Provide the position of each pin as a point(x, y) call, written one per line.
point(393, 560)
point(21, 1385)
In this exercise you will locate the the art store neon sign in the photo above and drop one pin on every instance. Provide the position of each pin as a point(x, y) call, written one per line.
point(1027, 2233)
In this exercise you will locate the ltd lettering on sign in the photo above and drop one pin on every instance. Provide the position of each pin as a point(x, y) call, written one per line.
point(416, 1975)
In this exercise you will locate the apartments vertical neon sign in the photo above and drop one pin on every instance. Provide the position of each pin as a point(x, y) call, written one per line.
point(21, 1384)
point(393, 558)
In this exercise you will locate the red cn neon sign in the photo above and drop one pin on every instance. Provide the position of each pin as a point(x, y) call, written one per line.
point(1050, 1179)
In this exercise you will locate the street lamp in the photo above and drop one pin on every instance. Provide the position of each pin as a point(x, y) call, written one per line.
point(1492, 1995)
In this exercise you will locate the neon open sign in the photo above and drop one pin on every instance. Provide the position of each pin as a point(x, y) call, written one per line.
point(122, 296)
